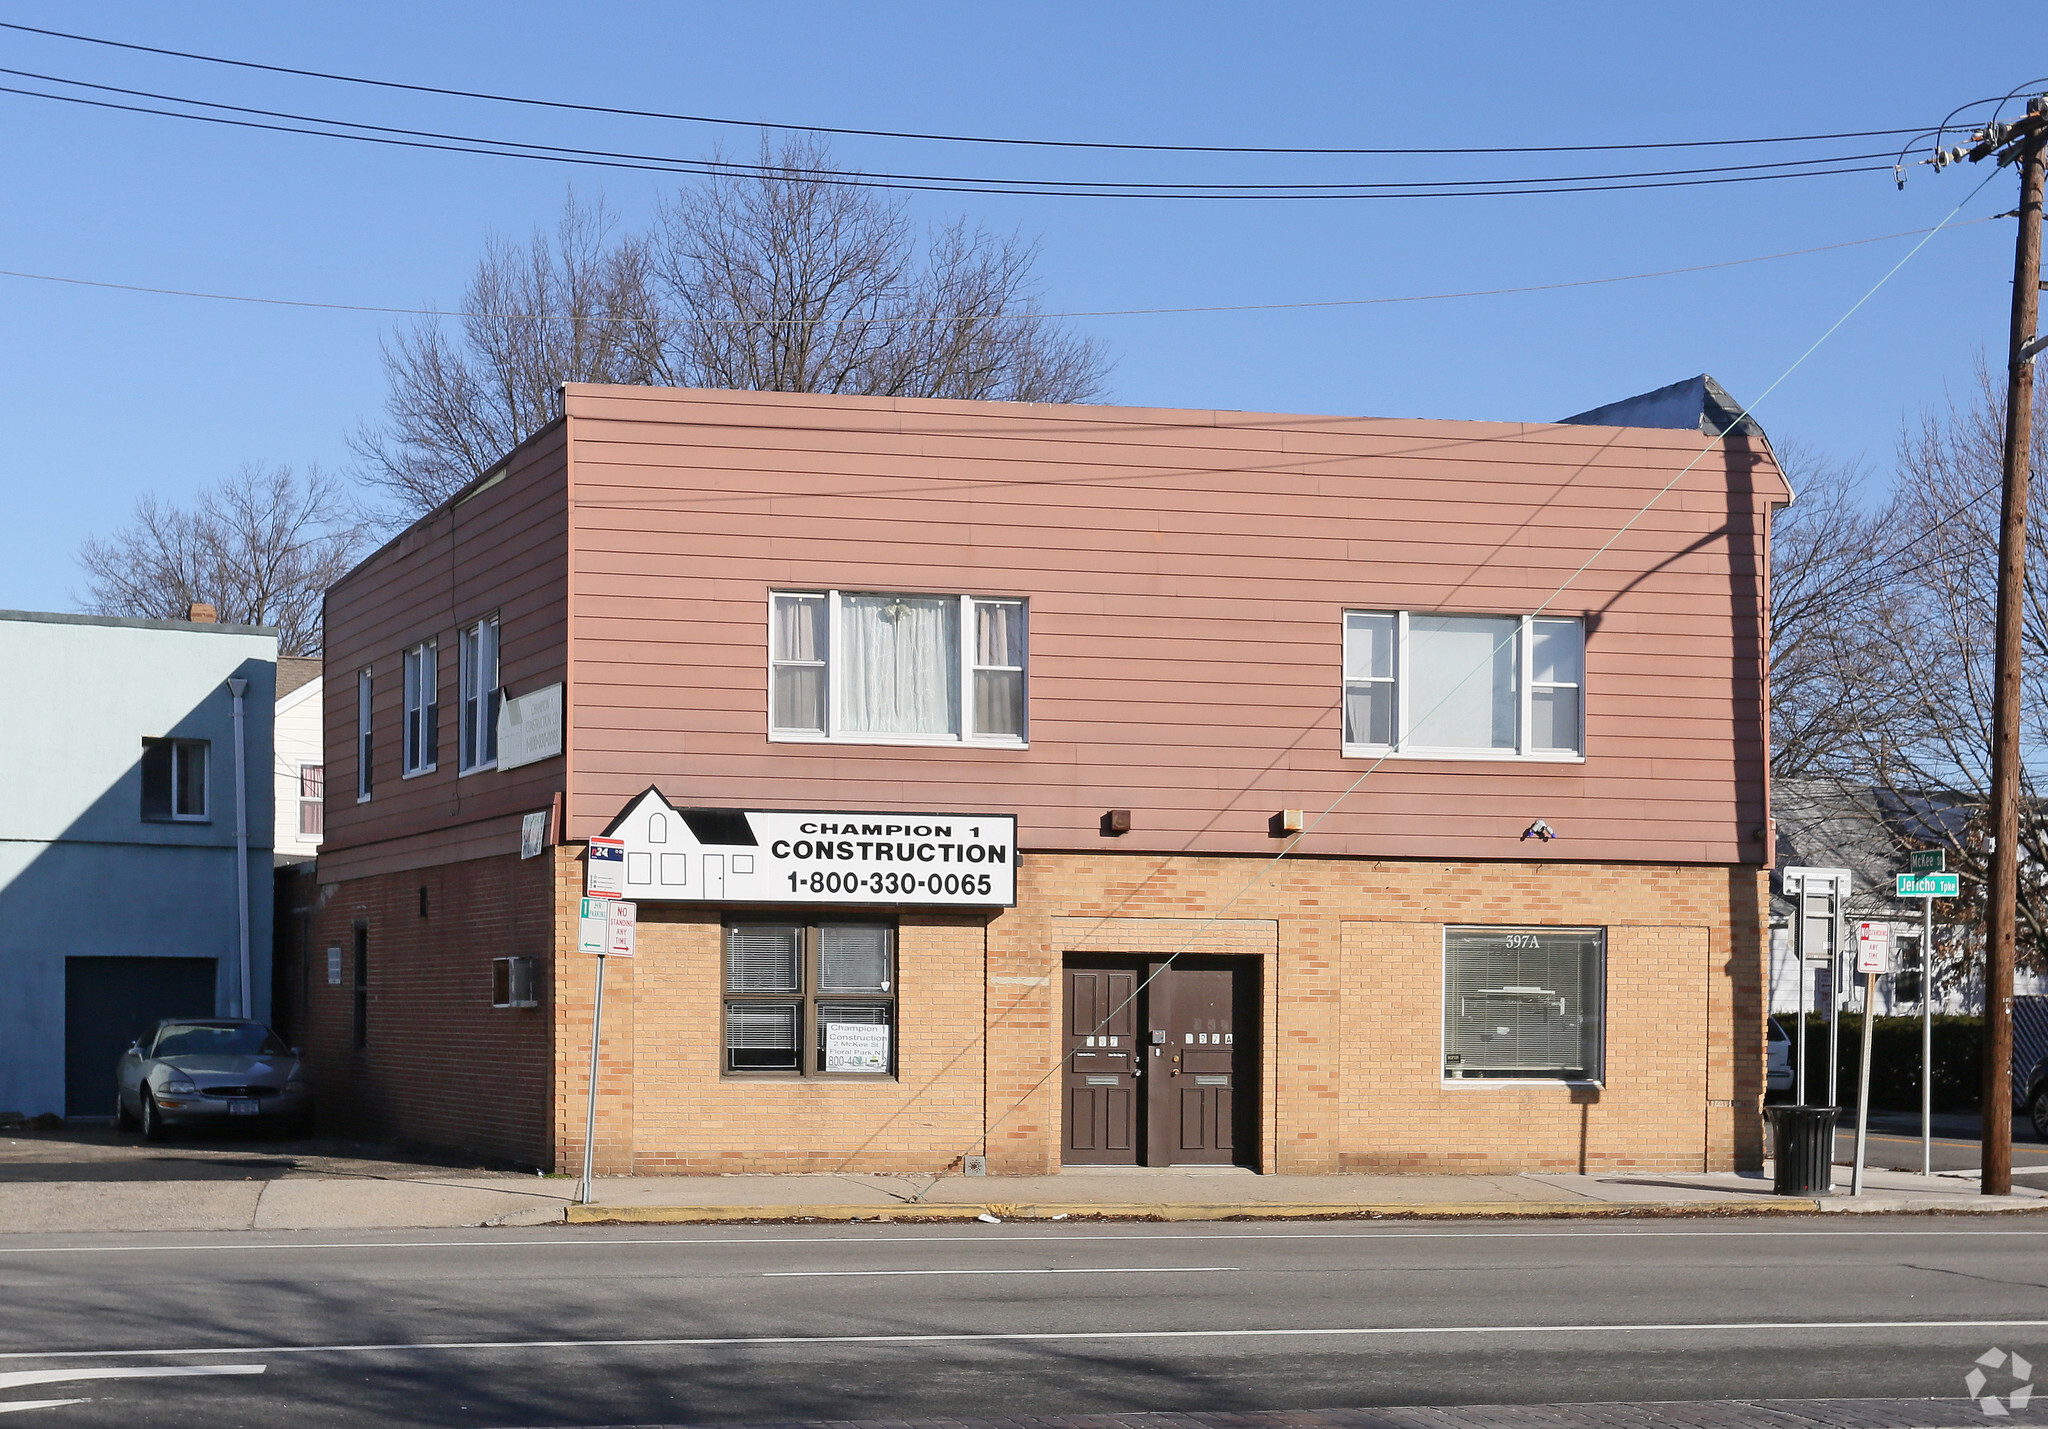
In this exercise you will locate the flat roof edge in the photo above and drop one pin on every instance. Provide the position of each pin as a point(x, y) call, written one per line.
point(135, 622)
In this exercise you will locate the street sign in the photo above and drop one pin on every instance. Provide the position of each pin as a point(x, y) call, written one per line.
point(592, 927)
point(1873, 947)
point(1930, 885)
point(620, 926)
point(604, 874)
point(1928, 860)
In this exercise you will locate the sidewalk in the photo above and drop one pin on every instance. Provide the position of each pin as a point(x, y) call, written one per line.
point(367, 1202)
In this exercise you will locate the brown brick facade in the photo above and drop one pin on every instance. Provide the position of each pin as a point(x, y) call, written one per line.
point(1351, 955)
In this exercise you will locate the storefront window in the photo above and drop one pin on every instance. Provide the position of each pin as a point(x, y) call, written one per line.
point(810, 999)
point(1524, 1002)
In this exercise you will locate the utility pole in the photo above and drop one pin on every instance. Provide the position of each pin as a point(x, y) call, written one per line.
point(2018, 143)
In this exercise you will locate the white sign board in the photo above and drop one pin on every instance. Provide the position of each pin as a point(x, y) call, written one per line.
point(533, 834)
point(530, 727)
point(856, 1047)
point(622, 920)
point(334, 967)
point(1873, 947)
point(604, 871)
point(674, 855)
point(593, 927)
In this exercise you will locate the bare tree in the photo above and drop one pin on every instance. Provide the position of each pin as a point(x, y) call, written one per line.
point(555, 309)
point(262, 547)
point(779, 277)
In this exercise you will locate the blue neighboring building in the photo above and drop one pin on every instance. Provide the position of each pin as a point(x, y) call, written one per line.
point(120, 898)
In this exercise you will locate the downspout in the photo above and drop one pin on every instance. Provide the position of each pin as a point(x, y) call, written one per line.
point(237, 688)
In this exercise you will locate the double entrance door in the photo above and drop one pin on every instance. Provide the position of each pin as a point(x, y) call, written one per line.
point(1160, 1061)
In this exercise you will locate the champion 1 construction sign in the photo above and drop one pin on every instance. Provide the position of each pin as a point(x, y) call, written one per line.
point(685, 855)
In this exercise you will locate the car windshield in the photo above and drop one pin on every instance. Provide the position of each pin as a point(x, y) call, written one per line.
point(200, 1040)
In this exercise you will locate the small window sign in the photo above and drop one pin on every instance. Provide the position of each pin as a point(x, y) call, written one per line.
point(334, 967)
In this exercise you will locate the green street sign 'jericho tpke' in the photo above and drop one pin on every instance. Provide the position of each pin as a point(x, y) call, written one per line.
point(1928, 860)
point(1929, 885)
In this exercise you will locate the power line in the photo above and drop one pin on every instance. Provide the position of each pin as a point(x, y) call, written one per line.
point(782, 171)
point(935, 137)
point(1048, 188)
point(1002, 317)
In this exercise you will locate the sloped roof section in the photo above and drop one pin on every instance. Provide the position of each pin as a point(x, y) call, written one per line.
point(294, 671)
point(1698, 404)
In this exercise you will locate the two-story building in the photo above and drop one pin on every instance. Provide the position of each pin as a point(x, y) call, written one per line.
point(1060, 785)
point(131, 887)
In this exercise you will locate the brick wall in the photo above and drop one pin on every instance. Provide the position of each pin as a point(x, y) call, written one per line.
point(1352, 973)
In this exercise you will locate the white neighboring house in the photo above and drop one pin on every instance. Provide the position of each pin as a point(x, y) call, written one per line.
point(300, 755)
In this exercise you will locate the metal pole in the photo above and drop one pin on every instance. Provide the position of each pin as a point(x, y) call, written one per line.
point(1927, 1037)
point(590, 1112)
point(236, 689)
point(1863, 1085)
point(1836, 927)
point(1804, 973)
point(1996, 1177)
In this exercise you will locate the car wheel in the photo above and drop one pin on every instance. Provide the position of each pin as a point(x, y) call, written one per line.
point(153, 1128)
point(122, 1120)
point(2038, 1109)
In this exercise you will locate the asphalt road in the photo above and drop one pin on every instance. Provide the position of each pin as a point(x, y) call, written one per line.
point(627, 1326)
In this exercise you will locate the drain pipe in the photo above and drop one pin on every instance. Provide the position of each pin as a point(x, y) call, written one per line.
point(237, 688)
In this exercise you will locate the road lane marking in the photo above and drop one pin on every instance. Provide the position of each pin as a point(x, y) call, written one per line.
point(15, 1406)
point(1392, 1231)
point(1073, 1270)
point(21, 1378)
point(1689, 1327)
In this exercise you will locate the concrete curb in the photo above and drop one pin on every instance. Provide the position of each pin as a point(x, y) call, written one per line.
point(1232, 1211)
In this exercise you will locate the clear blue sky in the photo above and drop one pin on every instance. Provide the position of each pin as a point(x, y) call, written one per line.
point(111, 394)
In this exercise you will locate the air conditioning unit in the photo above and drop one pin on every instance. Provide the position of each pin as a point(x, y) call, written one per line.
point(515, 982)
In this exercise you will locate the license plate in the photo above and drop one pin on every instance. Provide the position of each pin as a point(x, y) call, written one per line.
point(242, 1108)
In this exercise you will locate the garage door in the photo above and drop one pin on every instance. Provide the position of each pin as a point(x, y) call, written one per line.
point(107, 1004)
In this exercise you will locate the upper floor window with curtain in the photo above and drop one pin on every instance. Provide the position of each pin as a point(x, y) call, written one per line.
point(1464, 686)
point(480, 695)
point(893, 668)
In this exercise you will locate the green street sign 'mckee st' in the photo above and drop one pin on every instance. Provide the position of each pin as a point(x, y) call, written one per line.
point(1928, 860)
point(1929, 885)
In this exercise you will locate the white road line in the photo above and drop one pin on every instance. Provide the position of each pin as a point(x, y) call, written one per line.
point(21, 1378)
point(1693, 1327)
point(15, 1406)
point(1855, 1233)
point(1039, 1270)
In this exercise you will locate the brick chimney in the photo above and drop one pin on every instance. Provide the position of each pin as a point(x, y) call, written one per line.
point(200, 613)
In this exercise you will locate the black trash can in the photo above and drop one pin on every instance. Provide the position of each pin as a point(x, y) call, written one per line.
point(1802, 1149)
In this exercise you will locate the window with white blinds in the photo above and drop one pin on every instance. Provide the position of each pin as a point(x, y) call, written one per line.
point(1524, 1002)
point(816, 999)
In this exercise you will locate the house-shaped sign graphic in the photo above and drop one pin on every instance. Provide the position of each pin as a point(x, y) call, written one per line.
point(692, 855)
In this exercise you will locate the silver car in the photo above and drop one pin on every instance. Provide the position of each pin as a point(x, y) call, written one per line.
point(211, 1071)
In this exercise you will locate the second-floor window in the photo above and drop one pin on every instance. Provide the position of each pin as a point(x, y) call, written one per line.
point(364, 730)
point(1464, 686)
point(312, 800)
point(174, 779)
point(422, 709)
point(879, 668)
point(480, 695)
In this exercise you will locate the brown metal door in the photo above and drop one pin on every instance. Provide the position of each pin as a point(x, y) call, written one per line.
point(1102, 1077)
point(1193, 1060)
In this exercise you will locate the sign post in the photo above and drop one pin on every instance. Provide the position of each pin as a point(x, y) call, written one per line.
point(1923, 862)
point(1873, 956)
point(617, 925)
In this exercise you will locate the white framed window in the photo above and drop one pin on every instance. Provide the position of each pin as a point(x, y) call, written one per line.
point(1524, 1003)
point(1439, 686)
point(365, 733)
point(480, 695)
point(422, 752)
point(878, 668)
point(312, 800)
point(174, 779)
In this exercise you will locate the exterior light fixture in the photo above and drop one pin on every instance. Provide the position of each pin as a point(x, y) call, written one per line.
point(1116, 823)
point(1539, 830)
point(1287, 821)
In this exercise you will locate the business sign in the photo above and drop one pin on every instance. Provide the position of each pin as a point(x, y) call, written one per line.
point(1930, 885)
point(1873, 947)
point(856, 1047)
point(897, 859)
point(604, 870)
point(533, 834)
point(1928, 860)
point(530, 727)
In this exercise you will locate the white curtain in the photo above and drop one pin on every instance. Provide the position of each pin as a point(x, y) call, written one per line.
point(900, 663)
point(1461, 681)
